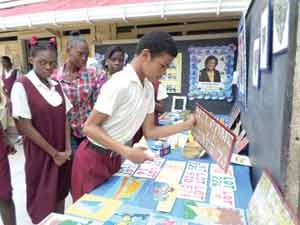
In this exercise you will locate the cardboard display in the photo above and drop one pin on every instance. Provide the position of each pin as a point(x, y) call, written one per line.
point(234, 114)
point(267, 205)
point(214, 137)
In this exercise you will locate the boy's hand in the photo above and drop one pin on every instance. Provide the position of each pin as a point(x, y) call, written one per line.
point(191, 121)
point(138, 155)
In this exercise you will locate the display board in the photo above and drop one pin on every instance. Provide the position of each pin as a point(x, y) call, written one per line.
point(215, 106)
point(214, 137)
point(267, 205)
point(268, 108)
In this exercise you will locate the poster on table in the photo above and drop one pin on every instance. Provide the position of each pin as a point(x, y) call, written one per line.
point(216, 139)
point(94, 207)
point(172, 79)
point(61, 219)
point(267, 206)
point(211, 72)
point(242, 64)
point(281, 13)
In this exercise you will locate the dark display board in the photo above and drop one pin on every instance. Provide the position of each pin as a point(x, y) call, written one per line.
point(214, 106)
point(267, 117)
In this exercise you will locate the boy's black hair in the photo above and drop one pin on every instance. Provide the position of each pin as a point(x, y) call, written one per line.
point(75, 39)
point(157, 42)
point(5, 57)
point(210, 58)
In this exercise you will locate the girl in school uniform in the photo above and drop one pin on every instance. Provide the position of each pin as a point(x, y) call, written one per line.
point(39, 108)
point(9, 74)
point(113, 60)
point(7, 206)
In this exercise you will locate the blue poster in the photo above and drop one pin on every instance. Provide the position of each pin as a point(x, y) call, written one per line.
point(211, 72)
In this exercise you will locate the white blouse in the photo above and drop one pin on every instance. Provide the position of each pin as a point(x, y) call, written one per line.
point(20, 106)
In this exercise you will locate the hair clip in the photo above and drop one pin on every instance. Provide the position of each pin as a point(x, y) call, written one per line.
point(52, 41)
point(33, 41)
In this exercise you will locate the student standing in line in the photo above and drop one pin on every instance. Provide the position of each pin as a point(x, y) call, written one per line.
point(7, 206)
point(9, 74)
point(125, 103)
point(39, 108)
point(113, 60)
point(80, 84)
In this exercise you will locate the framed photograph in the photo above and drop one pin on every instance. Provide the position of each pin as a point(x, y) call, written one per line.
point(255, 64)
point(178, 103)
point(265, 37)
point(211, 72)
point(241, 68)
point(281, 14)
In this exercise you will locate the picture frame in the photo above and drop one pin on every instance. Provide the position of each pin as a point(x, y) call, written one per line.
point(255, 63)
point(265, 38)
point(178, 103)
point(242, 67)
point(281, 20)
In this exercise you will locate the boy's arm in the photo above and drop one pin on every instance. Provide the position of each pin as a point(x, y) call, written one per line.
point(93, 130)
point(153, 132)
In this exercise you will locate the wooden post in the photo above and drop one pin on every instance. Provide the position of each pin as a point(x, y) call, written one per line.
point(292, 170)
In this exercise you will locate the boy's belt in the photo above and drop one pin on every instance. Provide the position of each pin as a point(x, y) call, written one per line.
point(101, 150)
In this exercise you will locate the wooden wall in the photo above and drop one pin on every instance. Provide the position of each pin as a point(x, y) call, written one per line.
point(122, 31)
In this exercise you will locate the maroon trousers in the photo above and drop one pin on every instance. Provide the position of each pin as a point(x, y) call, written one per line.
point(90, 169)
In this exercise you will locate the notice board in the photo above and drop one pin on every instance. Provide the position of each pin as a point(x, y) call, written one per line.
point(182, 73)
point(216, 139)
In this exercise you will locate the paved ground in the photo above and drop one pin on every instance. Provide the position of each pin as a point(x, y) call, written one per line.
point(19, 192)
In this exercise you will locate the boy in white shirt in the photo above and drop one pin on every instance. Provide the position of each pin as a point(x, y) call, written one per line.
point(125, 103)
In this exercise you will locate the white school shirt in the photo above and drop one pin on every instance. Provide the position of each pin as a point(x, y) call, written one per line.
point(127, 102)
point(20, 106)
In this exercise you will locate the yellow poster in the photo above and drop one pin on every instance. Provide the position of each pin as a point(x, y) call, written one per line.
point(94, 207)
point(172, 79)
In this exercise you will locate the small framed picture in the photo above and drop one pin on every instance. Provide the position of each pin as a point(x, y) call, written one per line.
point(265, 38)
point(178, 103)
point(255, 64)
point(281, 15)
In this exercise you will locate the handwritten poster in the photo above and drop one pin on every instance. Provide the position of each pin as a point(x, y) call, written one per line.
point(214, 137)
point(192, 192)
point(149, 169)
point(267, 206)
point(127, 168)
point(194, 182)
point(172, 79)
point(175, 168)
point(222, 198)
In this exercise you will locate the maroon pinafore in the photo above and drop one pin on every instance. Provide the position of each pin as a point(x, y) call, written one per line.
point(9, 82)
point(5, 180)
point(46, 183)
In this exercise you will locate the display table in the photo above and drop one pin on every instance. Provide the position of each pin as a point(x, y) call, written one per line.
point(145, 198)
